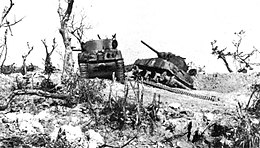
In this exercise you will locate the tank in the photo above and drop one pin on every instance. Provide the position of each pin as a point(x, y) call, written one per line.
point(168, 69)
point(101, 58)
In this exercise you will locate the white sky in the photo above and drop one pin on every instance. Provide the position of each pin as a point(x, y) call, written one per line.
point(183, 27)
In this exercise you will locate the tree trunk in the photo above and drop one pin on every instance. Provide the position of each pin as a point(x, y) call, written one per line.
point(68, 63)
point(24, 69)
point(5, 48)
point(68, 59)
point(226, 64)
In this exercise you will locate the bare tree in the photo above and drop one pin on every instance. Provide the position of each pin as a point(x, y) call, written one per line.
point(78, 29)
point(221, 55)
point(6, 25)
point(65, 16)
point(4, 50)
point(48, 67)
point(24, 68)
point(243, 59)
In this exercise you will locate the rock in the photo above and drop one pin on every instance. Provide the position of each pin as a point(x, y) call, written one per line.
point(26, 122)
point(72, 132)
point(53, 135)
point(161, 116)
point(9, 117)
point(175, 106)
point(24, 117)
point(187, 113)
point(43, 115)
point(255, 121)
point(208, 116)
point(179, 124)
point(198, 116)
point(95, 139)
point(74, 120)
point(74, 135)
point(31, 126)
point(182, 144)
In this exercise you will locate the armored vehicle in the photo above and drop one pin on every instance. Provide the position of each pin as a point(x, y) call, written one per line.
point(101, 58)
point(168, 69)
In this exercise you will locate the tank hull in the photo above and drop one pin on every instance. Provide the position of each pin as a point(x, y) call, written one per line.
point(100, 69)
point(100, 58)
point(164, 72)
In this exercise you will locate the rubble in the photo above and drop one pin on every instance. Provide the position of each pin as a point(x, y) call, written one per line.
point(183, 122)
point(95, 139)
point(183, 144)
point(209, 117)
point(73, 135)
point(175, 105)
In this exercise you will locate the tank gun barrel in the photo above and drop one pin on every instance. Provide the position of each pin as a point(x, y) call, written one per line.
point(75, 49)
point(150, 47)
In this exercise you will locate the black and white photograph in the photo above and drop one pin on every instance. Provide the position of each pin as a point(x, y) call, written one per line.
point(129, 74)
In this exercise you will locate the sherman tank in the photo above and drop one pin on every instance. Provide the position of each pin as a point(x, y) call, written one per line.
point(101, 58)
point(168, 69)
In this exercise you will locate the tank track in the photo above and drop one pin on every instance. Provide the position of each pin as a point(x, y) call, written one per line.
point(187, 91)
point(181, 91)
point(120, 76)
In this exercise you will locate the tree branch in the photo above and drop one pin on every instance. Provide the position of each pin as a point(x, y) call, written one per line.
point(45, 45)
point(5, 47)
point(78, 32)
point(65, 17)
point(240, 57)
point(30, 49)
point(47, 61)
point(221, 55)
point(54, 45)
point(4, 21)
point(8, 24)
point(10, 98)
point(69, 10)
point(6, 12)
point(24, 68)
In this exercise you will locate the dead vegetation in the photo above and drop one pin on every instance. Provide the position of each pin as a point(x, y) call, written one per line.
point(24, 67)
point(239, 57)
point(38, 110)
point(6, 29)
point(121, 120)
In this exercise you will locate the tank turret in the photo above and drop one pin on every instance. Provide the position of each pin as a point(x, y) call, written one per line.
point(176, 60)
point(167, 69)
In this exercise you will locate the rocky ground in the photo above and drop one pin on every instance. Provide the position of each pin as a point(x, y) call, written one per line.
point(165, 119)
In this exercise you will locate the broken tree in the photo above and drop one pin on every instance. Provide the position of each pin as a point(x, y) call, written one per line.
point(239, 57)
point(47, 84)
point(24, 68)
point(65, 16)
point(48, 68)
point(6, 25)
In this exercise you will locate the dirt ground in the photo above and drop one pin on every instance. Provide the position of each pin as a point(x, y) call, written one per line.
point(229, 87)
point(41, 117)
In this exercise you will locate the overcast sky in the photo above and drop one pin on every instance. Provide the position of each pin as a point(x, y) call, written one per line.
point(183, 27)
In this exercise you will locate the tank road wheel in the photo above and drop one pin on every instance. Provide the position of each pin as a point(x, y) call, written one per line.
point(162, 77)
point(120, 73)
point(146, 74)
point(136, 71)
point(83, 69)
point(155, 77)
